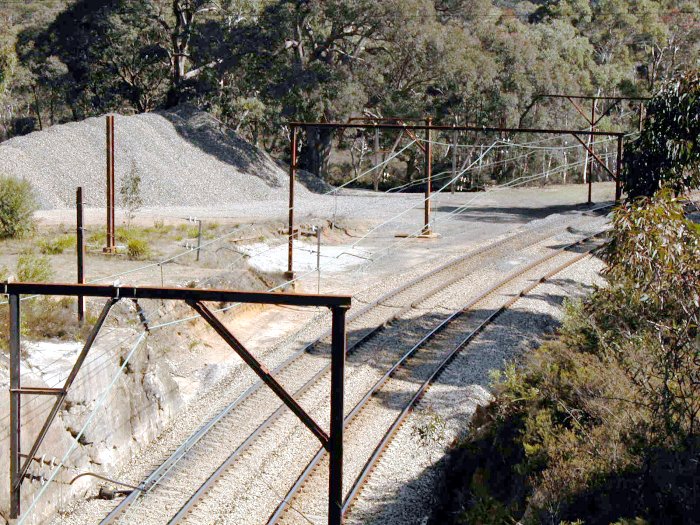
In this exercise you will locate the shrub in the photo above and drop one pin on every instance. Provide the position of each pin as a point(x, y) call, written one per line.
point(17, 207)
point(612, 405)
point(4, 273)
point(33, 268)
point(57, 245)
point(130, 193)
point(46, 318)
point(98, 238)
point(138, 249)
point(667, 151)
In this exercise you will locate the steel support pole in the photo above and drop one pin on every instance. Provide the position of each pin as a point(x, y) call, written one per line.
point(428, 175)
point(335, 444)
point(112, 171)
point(109, 146)
point(290, 232)
point(454, 163)
point(15, 399)
point(80, 249)
point(318, 258)
point(618, 171)
point(592, 160)
point(199, 239)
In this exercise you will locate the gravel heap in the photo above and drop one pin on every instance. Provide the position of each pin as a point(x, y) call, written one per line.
point(184, 157)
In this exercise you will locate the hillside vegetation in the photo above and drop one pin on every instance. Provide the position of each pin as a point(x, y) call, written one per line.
point(257, 64)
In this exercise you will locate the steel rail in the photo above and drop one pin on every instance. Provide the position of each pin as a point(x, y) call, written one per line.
point(311, 466)
point(381, 447)
point(209, 482)
point(153, 479)
point(157, 475)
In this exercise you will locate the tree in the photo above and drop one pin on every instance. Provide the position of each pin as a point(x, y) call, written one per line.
point(130, 193)
point(17, 207)
point(667, 153)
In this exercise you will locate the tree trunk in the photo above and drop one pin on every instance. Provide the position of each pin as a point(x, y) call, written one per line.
point(316, 152)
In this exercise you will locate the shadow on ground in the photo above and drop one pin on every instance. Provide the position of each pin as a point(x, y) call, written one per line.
point(510, 214)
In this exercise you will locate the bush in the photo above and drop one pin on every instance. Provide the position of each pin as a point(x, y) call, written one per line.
point(17, 207)
point(58, 245)
point(46, 318)
point(33, 268)
point(138, 249)
point(667, 151)
point(611, 406)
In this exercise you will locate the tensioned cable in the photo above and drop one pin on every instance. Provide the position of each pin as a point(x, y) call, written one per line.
point(513, 183)
point(458, 210)
point(79, 435)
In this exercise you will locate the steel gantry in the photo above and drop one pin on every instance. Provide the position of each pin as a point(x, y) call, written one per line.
point(593, 119)
point(411, 129)
point(332, 441)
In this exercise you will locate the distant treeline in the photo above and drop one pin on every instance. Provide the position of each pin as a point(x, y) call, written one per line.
point(257, 64)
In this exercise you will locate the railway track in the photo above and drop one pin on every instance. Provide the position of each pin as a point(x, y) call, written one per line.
point(438, 348)
point(168, 496)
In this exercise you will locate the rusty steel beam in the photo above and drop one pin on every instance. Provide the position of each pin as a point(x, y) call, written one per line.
point(38, 391)
point(428, 176)
point(618, 179)
point(80, 248)
point(605, 112)
point(484, 129)
point(595, 156)
point(590, 167)
point(396, 120)
point(15, 407)
point(580, 110)
point(182, 294)
point(290, 230)
point(333, 442)
point(591, 97)
point(261, 370)
point(109, 145)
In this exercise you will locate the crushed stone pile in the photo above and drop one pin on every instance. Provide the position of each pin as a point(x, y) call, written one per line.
point(184, 157)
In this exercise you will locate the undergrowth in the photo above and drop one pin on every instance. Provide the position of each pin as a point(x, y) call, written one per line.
point(600, 424)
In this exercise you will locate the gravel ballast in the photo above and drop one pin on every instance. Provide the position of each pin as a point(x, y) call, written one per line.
point(184, 157)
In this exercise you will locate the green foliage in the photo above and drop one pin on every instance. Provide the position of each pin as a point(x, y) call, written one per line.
point(138, 249)
point(4, 273)
point(8, 63)
point(57, 245)
point(130, 193)
point(612, 404)
point(667, 153)
point(17, 207)
point(34, 268)
point(257, 65)
point(46, 318)
point(648, 317)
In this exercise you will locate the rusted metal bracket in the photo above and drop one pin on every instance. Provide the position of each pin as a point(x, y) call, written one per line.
point(338, 305)
point(261, 370)
point(595, 156)
point(62, 393)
